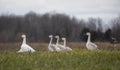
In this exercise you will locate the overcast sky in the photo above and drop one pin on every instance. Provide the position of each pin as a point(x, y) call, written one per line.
point(105, 9)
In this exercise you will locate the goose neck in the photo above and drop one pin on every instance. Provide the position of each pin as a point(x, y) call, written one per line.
point(89, 37)
point(65, 42)
point(50, 41)
point(24, 40)
point(57, 41)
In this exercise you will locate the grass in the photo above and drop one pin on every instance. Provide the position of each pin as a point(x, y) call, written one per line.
point(78, 59)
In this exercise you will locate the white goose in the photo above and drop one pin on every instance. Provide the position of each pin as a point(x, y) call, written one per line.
point(52, 47)
point(25, 47)
point(89, 44)
point(67, 48)
point(59, 45)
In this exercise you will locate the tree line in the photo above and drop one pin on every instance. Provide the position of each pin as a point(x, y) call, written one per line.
point(38, 27)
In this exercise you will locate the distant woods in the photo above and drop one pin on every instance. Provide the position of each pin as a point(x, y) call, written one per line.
point(38, 27)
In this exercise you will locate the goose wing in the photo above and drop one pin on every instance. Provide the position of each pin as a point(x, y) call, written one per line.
point(68, 48)
point(51, 47)
point(93, 46)
point(61, 47)
point(30, 48)
point(56, 47)
point(26, 48)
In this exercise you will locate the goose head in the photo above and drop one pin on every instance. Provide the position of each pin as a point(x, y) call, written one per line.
point(63, 38)
point(56, 36)
point(88, 33)
point(23, 36)
point(50, 36)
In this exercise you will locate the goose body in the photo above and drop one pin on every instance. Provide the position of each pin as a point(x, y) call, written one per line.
point(52, 47)
point(89, 44)
point(66, 47)
point(62, 48)
point(25, 47)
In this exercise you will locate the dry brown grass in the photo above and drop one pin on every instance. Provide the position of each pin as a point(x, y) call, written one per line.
point(43, 46)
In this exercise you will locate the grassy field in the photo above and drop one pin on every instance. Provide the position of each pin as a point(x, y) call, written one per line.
point(108, 58)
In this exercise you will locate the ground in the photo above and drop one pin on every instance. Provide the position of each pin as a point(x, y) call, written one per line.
point(107, 58)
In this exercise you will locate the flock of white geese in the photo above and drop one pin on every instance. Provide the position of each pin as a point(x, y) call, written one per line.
point(57, 47)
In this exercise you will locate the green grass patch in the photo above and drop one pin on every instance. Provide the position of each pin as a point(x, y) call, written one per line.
point(78, 59)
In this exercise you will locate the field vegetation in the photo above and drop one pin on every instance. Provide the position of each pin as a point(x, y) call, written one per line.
point(107, 58)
